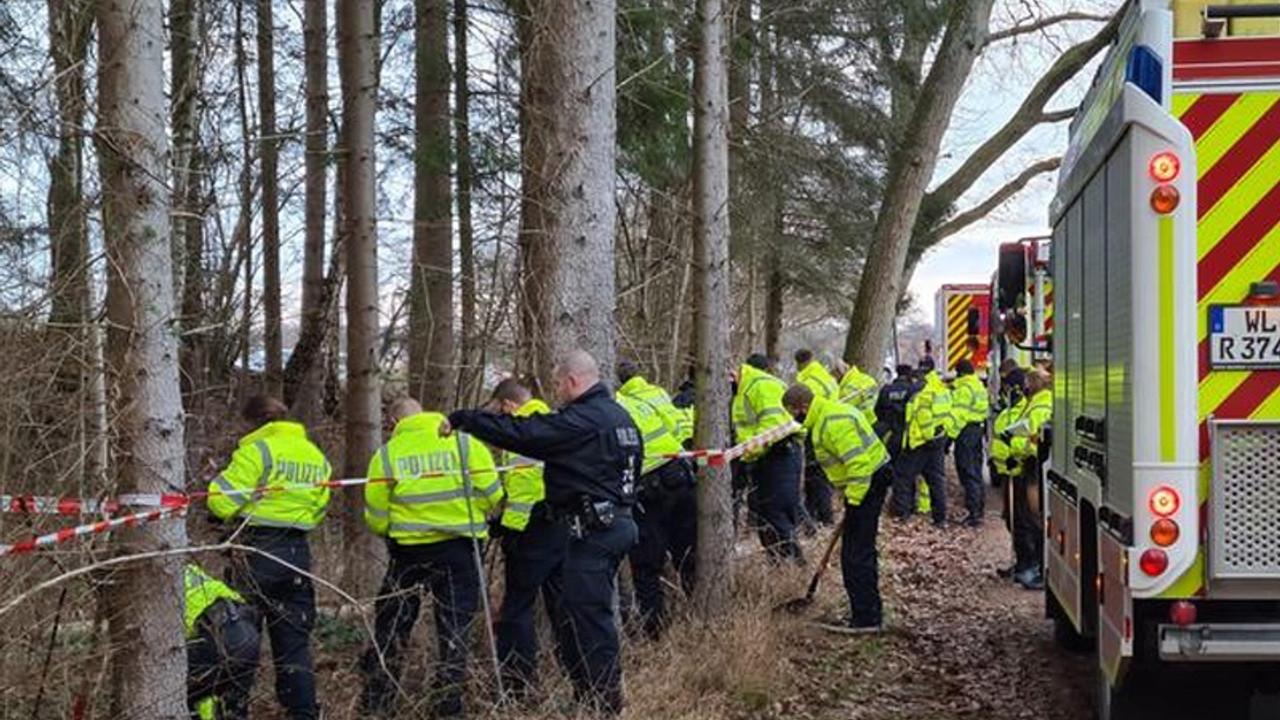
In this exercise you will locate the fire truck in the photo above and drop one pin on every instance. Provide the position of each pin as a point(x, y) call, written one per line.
point(1162, 493)
point(1021, 322)
point(962, 326)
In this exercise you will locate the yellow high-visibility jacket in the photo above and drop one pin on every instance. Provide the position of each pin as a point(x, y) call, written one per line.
point(202, 590)
point(272, 480)
point(970, 403)
point(1001, 455)
point(846, 446)
point(757, 407)
point(861, 391)
point(658, 439)
point(816, 378)
point(524, 485)
point(1028, 429)
point(637, 388)
point(429, 502)
point(928, 412)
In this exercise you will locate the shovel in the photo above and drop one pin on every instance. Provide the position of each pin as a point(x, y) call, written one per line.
point(795, 606)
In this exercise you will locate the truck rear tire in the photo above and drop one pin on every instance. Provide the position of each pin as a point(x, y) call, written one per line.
point(1122, 703)
point(1065, 634)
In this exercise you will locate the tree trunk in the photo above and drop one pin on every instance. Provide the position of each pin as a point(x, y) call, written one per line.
point(308, 371)
point(188, 210)
point(773, 306)
point(431, 287)
point(246, 192)
point(271, 331)
point(711, 263)
point(910, 169)
point(357, 59)
point(144, 599)
point(567, 50)
point(70, 28)
point(470, 374)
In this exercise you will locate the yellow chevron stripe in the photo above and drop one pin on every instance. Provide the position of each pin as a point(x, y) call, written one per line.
point(1216, 388)
point(1227, 130)
point(1238, 201)
point(1269, 408)
point(1182, 102)
point(955, 337)
point(956, 307)
point(1235, 285)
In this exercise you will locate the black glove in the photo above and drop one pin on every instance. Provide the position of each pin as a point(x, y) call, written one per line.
point(1006, 438)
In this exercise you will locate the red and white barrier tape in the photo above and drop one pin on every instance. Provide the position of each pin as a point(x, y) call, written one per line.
point(91, 529)
point(73, 506)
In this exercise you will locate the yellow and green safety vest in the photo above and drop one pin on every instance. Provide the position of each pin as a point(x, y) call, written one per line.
point(429, 502)
point(969, 401)
point(524, 485)
point(815, 377)
point(658, 440)
point(757, 407)
point(846, 446)
point(1028, 429)
point(928, 412)
point(859, 390)
point(1001, 455)
point(202, 590)
point(275, 479)
point(637, 388)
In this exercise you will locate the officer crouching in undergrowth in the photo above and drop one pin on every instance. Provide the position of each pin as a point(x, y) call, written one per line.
point(222, 648)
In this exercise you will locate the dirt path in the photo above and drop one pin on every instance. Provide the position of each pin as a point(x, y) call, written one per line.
point(962, 643)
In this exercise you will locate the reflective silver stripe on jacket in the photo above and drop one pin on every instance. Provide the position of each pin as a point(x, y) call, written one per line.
point(265, 451)
point(463, 529)
point(256, 521)
point(377, 513)
point(388, 470)
point(865, 439)
point(431, 497)
point(520, 507)
point(232, 493)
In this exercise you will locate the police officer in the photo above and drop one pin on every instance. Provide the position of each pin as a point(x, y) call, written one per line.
point(858, 464)
point(222, 648)
point(859, 390)
point(593, 454)
point(634, 386)
point(927, 415)
point(1004, 466)
point(430, 516)
point(970, 406)
point(774, 470)
point(891, 410)
point(665, 513)
point(275, 488)
point(533, 548)
point(1029, 440)
point(817, 491)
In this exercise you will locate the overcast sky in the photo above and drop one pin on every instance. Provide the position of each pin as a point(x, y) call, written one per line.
point(1000, 81)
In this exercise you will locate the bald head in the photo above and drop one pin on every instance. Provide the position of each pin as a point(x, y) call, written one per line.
point(576, 373)
point(403, 408)
point(1037, 380)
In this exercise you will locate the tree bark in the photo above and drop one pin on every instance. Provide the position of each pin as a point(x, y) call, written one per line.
point(911, 166)
point(303, 394)
point(567, 50)
point(711, 265)
point(144, 599)
point(271, 325)
point(431, 286)
point(470, 372)
point(245, 222)
point(188, 210)
point(357, 64)
point(70, 28)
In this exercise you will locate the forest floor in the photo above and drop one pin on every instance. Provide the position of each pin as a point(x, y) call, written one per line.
point(960, 643)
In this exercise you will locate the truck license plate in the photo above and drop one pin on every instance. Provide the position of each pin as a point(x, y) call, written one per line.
point(1244, 338)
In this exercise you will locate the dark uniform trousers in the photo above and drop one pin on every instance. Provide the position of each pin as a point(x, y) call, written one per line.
point(533, 560)
point(968, 457)
point(587, 629)
point(222, 659)
point(1028, 524)
point(859, 560)
point(286, 602)
point(447, 570)
point(667, 518)
point(774, 500)
point(927, 460)
point(817, 490)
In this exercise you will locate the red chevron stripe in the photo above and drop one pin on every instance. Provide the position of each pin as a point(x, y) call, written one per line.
point(1241, 239)
point(1205, 111)
point(1239, 159)
point(1241, 402)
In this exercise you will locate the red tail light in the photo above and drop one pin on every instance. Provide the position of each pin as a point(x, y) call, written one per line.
point(1165, 199)
point(1182, 613)
point(1153, 562)
point(1165, 532)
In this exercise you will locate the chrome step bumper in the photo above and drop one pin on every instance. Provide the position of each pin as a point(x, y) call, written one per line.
point(1220, 642)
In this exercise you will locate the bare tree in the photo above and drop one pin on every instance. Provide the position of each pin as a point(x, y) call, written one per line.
point(188, 223)
point(304, 373)
point(431, 287)
point(568, 215)
point(144, 598)
point(711, 265)
point(270, 153)
point(357, 65)
point(470, 374)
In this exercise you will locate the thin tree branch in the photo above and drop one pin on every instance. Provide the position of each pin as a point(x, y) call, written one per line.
point(1028, 115)
point(963, 220)
point(1027, 28)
